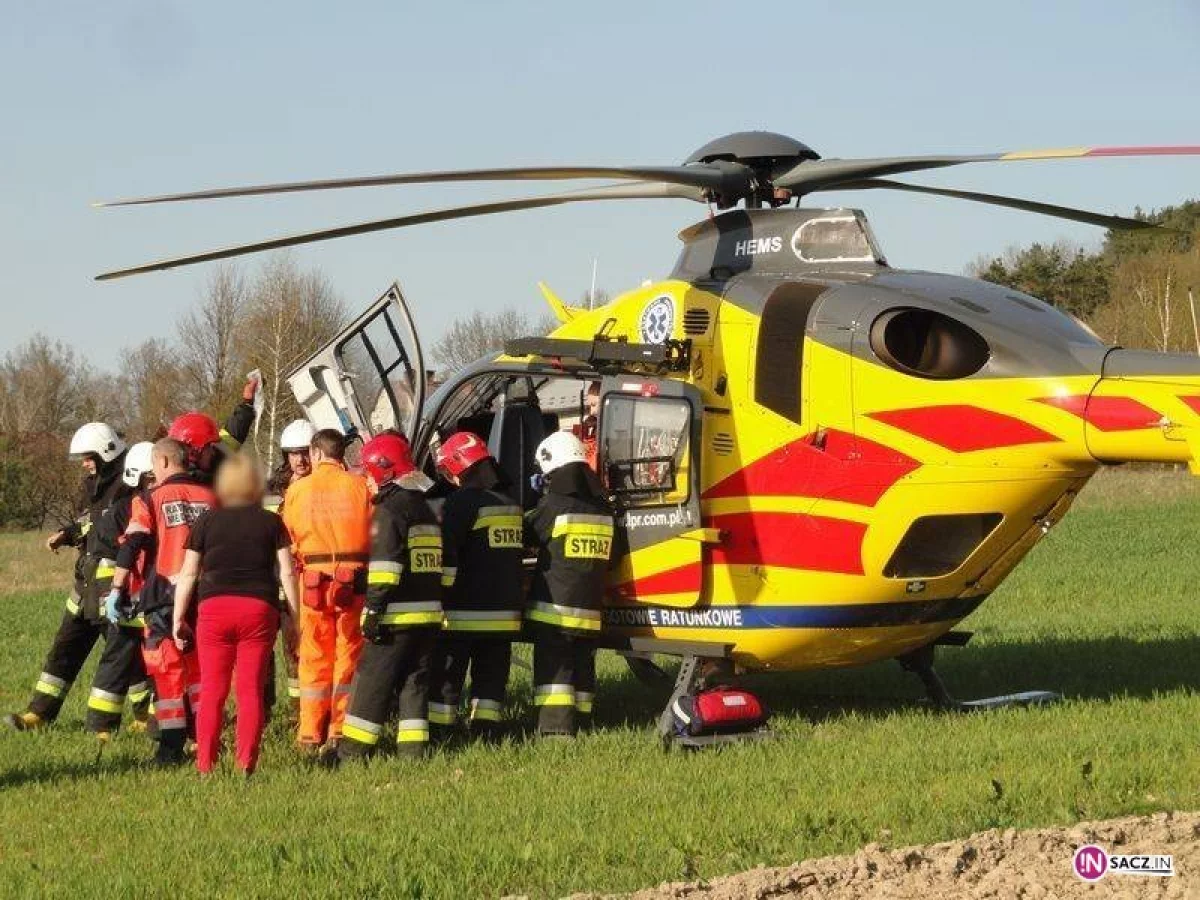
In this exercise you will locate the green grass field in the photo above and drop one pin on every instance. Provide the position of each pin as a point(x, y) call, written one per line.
point(1104, 610)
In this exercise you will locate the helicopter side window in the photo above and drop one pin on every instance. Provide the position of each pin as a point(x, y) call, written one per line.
point(645, 448)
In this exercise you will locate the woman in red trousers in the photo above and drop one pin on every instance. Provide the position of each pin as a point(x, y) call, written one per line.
point(238, 557)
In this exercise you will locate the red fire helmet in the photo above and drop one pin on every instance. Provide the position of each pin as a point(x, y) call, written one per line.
point(195, 429)
point(459, 452)
point(387, 457)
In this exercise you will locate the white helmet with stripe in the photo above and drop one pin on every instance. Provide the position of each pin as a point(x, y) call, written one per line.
point(96, 439)
point(138, 462)
point(558, 450)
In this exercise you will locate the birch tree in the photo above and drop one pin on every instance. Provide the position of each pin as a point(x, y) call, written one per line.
point(288, 315)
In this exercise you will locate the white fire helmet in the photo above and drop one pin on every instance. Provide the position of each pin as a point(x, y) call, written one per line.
point(96, 439)
point(297, 435)
point(138, 462)
point(558, 450)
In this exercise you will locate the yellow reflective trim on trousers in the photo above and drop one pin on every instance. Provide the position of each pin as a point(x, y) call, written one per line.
point(412, 731)
point(103, 705)
point(388, 578)
point(73, 606)
point(554, 700)
point(105, 571)
point(136, 697)
point(411, 618)
point(441, 717)
point(50, 690)
point(423, 540)
point(479, 714)
point(358, 734)
point(507, 625)
point(559, 620)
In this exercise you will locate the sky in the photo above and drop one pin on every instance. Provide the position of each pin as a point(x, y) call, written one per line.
point(126, 98)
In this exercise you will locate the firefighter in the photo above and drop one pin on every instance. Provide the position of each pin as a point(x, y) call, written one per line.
point(156, 539)
point(207, 444)
point(403, 611)
point(121, 671)
point(572, 527)
point(294, 442)
point(101, 453)
point(482, 545)
point(328, 515)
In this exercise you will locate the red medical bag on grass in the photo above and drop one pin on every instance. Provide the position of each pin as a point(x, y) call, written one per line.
point(722, 710)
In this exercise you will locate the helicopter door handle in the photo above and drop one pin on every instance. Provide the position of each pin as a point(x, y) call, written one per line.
point(704, 535)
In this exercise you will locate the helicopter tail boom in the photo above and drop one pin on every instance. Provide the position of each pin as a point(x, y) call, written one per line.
point(1145, 408)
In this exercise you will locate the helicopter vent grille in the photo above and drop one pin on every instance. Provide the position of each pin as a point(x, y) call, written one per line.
point(722, 444)
point(696, 321)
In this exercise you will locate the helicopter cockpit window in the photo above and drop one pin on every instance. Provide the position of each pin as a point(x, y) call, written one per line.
point(374, 358)
point(645, 448)
point(834, 239)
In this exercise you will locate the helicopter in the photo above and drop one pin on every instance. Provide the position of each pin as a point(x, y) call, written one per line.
point(818, 460)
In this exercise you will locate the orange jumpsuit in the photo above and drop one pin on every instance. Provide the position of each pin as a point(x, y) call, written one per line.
point(329, 517)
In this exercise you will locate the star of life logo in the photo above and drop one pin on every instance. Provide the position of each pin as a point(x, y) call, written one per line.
point(1091, 863)
point(658, 320)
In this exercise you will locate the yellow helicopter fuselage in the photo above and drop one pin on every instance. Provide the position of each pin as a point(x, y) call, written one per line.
point(856, 506)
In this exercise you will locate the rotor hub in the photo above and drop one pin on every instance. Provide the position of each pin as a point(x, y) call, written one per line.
point(765, 153)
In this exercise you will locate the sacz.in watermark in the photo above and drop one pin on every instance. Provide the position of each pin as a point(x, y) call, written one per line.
point(1092, 863)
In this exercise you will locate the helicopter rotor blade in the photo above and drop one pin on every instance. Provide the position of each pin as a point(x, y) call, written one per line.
point(816, 174)
point(722, 177)
point(1116, 223)
point(638, 191)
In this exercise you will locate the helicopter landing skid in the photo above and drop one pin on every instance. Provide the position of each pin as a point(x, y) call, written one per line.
point(920, 663)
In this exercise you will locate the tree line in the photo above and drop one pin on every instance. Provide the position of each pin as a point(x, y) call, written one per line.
point(1136, 289)
point(270, 320)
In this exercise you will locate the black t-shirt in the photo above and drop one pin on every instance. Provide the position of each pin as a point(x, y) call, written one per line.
point(238, 547)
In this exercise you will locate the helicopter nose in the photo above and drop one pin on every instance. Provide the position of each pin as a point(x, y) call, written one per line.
point(1144, 408)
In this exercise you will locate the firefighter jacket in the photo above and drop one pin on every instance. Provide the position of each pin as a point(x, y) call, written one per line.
point(160, 524)
point(233, 435)
point(328, 515)
point(238, 425)
point(482, 550)
point(572, 527)
point(404, 577)
point(97, 494)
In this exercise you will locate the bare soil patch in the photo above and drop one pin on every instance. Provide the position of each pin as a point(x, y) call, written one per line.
point(992, 864)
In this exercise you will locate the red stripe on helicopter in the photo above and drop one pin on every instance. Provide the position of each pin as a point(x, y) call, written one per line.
point(1183, 150)
point(1107, 413)
point(854, 470)
point(789, 540)
point(673, 581)
point(1193, 402)
point(963, 428)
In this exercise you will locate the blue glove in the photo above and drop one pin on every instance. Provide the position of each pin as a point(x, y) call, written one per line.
point(112, 606)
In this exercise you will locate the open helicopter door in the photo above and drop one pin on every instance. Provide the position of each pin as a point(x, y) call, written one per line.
point(648, 449)
point(370, 377)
